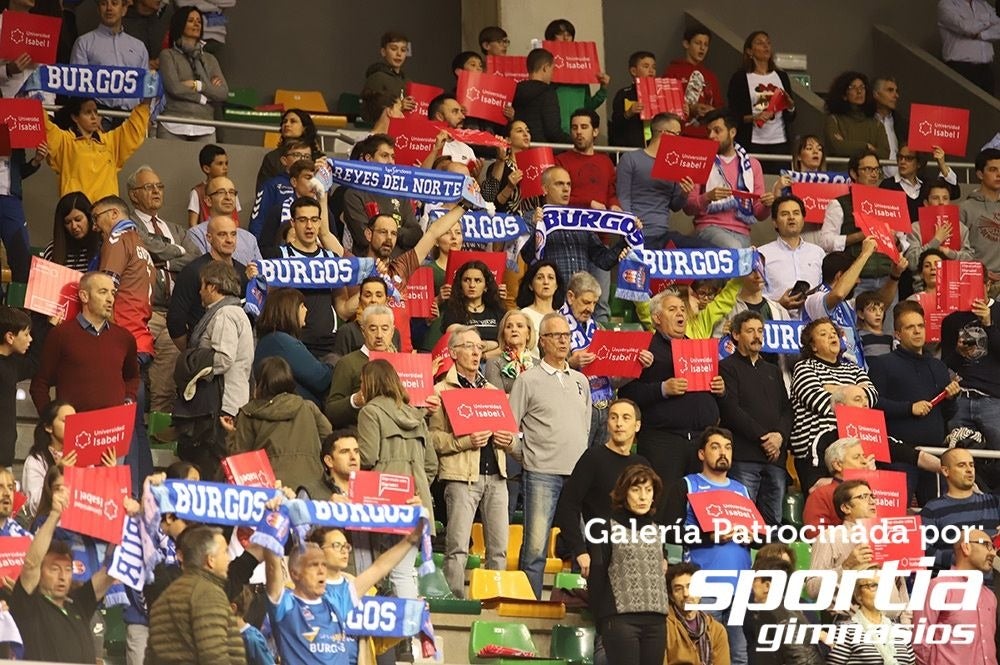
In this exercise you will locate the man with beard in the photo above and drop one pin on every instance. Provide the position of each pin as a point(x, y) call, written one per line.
point(718, 550)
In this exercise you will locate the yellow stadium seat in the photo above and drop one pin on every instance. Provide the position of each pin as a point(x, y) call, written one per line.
point(307, 100)
point(488, 584)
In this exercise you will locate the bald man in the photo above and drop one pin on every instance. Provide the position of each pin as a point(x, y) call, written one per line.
point(185, 310)
point(221, 196)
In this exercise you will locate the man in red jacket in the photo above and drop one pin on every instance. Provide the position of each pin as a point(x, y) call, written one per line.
point(695, 43)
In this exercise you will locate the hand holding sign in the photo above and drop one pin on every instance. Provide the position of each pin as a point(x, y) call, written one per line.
point(944, 126)
point(941, 223)
point(680, 157)
point(91, 433)
point(866, 425)
point(697, 362)
point(617, 353)
point(478, 409)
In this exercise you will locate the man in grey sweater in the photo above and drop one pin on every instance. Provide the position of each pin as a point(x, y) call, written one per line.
point(226, 330)
point(551, 405)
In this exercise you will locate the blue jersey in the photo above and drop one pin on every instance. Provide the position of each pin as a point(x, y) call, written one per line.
point(723, 556)
point(313, 631)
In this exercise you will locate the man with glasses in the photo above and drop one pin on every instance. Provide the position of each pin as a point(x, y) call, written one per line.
point(473, 468)
point(222, 197)
point(976, 552)
point(493, 40)
point(906, 178)
point(551, 405)
point(277, 191)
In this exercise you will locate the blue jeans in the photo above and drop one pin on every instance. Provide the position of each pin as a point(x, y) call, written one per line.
point(766, 484)
point(716, 236)
point(140, 457)
point(737, 640)
point(541, 493)
point(979, 413)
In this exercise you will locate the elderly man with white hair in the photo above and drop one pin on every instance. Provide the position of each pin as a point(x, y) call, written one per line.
point(345, 398)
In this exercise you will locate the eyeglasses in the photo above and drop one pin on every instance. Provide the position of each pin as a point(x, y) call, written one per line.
point(471, 346)
point(95, 215)
point(150, 187)
point(857, 87)
point(304, 219)
point(230, 192)
point(867, 496)
point(988, 544)
point(555, 335)
point(341, 547)
point(299, 155)
point(869, 169)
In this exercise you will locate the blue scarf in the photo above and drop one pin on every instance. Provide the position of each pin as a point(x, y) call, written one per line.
point(641, 265)
point(779, 337)
point(816, 176)
point(481, 227)
point(96, 81)
point(580, 337)
point(395, 180)
point(556, 218)
point(744, 183)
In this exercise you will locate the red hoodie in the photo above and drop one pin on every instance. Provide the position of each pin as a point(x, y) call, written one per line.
point(711, 95)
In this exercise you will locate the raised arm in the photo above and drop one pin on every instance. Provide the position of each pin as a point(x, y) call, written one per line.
point(31, 573)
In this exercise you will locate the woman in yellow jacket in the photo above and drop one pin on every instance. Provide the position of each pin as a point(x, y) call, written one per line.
point(86, 159)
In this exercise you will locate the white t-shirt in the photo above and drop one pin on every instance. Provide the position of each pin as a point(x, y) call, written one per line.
point(762, 87)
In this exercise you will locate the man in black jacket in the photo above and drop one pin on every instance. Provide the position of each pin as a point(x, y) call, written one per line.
point(535, 101)
point(757, 410)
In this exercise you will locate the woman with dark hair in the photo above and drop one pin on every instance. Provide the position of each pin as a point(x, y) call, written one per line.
point(46, 451)
point(192, 79)
point(475, 300)
point(75, 240)
point(280, 328)
point(296, 125)
point(574, 96)
point(851, 125)
point(750, 92)
point(501, 186)
point(628, 591)
point(809, 154)
point(820, 374)
point(285, 426)
point(541, 291)
point(91, 165)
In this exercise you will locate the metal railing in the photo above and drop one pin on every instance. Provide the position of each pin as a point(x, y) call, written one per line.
point(975, 452)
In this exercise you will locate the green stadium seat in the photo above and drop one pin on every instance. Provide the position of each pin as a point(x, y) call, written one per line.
point(803, 554)
point(243, 97)
point(15, 294)
point(674, 553)
point(569, 581)
point(574, 644)
point(501, 634)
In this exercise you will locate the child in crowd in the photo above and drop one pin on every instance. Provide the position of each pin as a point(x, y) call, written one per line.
point(701, 87)
point(871, 312)
point(627, 127)
point(259, 651)
point(16, 364)
point(214, 163)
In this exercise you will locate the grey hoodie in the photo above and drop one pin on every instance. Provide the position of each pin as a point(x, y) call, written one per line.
point(982, 219)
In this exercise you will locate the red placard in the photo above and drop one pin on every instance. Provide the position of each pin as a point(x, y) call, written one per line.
point(484, 95)
point(508, 66)
point(874, 204)
point(885, 239)
point(895, 539)
point(933, 216)
point(4, 141)
point(723, 508)
point(478, 410)
point(92, 432)
point(34, 34)
point(23, 118)
point(696, 360)
point(817, 196)
point(474, 136)
point(779, 102)
point(95, 501)
point(933, 319)
point(415, 371)
point(959, 284)
point(660, 95)
point(574, 62)
point(617, 353)
point(866, 425)
point(495, 261)
point(684, 157)
point(53, 289)
point(889, 488)
point(12, 552)
point(533, 162)
point(942, 126)
point(440, 354)
point(423, 94)
point(252, 469)
point(420, 292)
point(383, 488)
point(414, 137)
point(401, 321)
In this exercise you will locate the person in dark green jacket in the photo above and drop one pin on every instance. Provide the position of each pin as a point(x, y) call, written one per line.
point(385, 79)
point(851, 125)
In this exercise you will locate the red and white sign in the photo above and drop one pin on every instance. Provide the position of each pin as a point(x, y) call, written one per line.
point(420, 292)
point(23, 118)
point(414, 137)
point(92, 432)
point(513, 67)
point(889, 488)
point(885, 239)
point(423, 94)
point(574, 62)
point(933, 319)
point(866, 425)
point(475, 136)
point(478, 410)
point(874, 204)
point(415, 370)
point(660, 95)
point(933, 216)
point(496, 263)
point(696, 360)
point(617, 353)
point(440, 353)
point(252, 469)
point(53, 289)
point(401, 321)
point(684, 157)
point(383, 488)
point(719, 510)
point(34, 34)
point(12, 552)
point(816, 196)
point(96, 498)
point(533, 162)
point(959, 284)
point(778, 103)
point(484, 95)
point(942, 126)
point(895, 539)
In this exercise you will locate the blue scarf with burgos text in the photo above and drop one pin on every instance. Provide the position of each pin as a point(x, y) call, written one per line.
point(96, 81)
point(642, 265)
point(410, 182)
point(779, 337)
point(557, 218)
point(816, 176)
point(479, 226)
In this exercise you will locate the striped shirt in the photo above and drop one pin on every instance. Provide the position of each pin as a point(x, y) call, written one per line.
point(867, 654)
point(981, 511)
point(77, 260)
point(812, 405)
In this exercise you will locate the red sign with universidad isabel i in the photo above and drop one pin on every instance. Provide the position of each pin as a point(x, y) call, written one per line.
point(933, 216)
point(816, 196)
point(696, 360)
point(716, 510)
point(484, 95)
point(90, 433)
point(660, 95)
point(889, 488)
point(414, 371)
point(617, 353)
point(33, 34)
point(574, 62)
point(866, 425)
point(533, 162)
point(23, 118)
point(96, 496)
point(942, 126)
point(53, 289)
point(478, 410)
point(874, 204)
point(681, 157)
